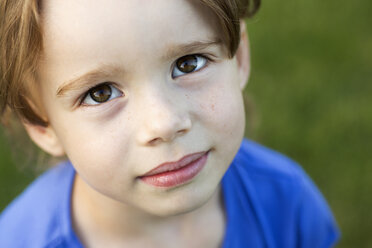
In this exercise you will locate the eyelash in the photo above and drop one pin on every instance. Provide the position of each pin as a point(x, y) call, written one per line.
point(117, 93)
point(114, 93)
point(205, 63)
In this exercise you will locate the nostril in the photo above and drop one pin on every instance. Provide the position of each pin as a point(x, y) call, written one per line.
point(180, 132)
point(161, 139)
point(164, 130)
point(154, 141)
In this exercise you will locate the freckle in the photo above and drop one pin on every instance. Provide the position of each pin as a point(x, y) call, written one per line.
point(212, 107)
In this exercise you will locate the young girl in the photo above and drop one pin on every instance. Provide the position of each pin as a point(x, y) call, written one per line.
point(144, 98)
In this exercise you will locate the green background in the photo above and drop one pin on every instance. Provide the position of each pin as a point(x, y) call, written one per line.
point(309, 98)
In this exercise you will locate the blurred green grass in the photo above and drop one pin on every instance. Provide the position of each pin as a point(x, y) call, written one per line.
point(311, 87)
point(13, 180)
point(311, 84)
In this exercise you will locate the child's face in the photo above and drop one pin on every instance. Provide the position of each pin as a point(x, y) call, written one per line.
point(149, 111)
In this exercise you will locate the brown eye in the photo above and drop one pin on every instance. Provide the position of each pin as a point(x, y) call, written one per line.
point(100, 93)
point(188, 64)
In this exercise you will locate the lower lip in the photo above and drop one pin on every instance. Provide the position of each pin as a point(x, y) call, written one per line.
point(176, 177)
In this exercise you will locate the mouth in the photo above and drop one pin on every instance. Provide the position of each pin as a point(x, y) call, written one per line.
point(172, 174)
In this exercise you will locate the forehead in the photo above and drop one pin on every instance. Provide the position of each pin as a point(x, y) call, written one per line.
point(86, 28)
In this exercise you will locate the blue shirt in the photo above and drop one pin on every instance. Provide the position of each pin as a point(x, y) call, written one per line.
point(269, 202)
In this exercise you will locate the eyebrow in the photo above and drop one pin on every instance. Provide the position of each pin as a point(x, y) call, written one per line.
point(104, 71)
point(86, 79)
point(178, 50)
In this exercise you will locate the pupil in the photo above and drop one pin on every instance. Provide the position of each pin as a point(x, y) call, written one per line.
point(187, 64)
point(101, 93)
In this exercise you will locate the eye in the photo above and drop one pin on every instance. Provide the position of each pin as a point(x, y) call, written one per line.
point(100, 94)
point(188, 64)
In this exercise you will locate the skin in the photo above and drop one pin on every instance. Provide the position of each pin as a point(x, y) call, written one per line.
point(154, 117)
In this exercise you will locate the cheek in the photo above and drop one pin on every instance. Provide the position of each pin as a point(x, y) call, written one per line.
point(225, 111)
point(96, 151)
point(222, 109)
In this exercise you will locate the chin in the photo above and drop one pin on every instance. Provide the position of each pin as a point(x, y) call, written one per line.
point(183, 203)
point(177, 210)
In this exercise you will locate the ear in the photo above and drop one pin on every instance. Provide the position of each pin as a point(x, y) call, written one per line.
point(45, 138)
point(243, 56)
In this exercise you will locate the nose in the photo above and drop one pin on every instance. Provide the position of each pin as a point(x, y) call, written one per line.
point(163, 119)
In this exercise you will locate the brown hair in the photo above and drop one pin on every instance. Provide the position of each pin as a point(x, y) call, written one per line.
point(21, 46)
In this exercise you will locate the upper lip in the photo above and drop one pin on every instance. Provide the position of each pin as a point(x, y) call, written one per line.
point(170, 166)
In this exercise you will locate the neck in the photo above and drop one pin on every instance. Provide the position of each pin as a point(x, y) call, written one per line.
point(94, 213)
